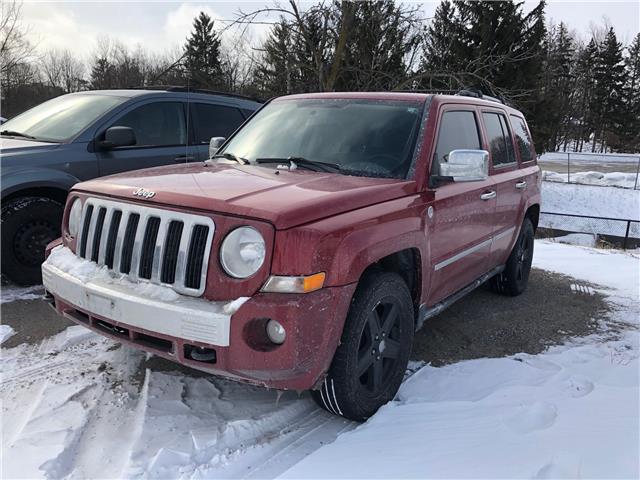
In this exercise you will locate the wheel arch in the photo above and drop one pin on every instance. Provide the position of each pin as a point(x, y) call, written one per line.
point(47, 183)
point(407, 263)
point(533, 214)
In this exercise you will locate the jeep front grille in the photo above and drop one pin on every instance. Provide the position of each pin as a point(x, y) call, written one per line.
point(148, 244)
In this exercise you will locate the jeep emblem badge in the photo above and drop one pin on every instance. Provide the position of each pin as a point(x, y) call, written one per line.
point(141, 192)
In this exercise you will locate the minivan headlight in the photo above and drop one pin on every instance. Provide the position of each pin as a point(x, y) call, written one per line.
point(75, 217)
point(242, 252)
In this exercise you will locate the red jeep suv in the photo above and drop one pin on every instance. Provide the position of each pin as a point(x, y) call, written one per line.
point(311, 245)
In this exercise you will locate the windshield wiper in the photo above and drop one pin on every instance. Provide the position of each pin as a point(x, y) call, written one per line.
point(303, 162)
point(231, 156)
point(12, 133)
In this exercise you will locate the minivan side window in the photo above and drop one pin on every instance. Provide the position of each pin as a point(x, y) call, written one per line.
point(156, 124)
point(214, 121)
point(499, 139)
point(523, 140)
point(458, 130)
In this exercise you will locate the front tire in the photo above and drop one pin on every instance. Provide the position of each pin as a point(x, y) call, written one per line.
point(515, 277)
point(28, 225)
point(374, 350)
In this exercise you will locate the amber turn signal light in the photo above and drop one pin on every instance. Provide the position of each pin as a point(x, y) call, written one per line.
point(299, 284)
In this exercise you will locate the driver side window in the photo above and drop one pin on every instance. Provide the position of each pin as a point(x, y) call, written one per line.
point(458, 131)
point(156, 124)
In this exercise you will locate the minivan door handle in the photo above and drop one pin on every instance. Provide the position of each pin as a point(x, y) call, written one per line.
point(184, 159)
point(488, 195)
point(521, 185)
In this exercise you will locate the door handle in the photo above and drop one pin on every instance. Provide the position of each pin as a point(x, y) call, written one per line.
point(488, 195)
point(521, 185)
point(184, 159)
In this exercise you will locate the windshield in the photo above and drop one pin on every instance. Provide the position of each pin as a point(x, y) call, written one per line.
point(363, 137)
point(61, 118)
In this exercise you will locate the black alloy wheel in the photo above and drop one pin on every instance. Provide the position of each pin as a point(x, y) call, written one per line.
point(371, 359)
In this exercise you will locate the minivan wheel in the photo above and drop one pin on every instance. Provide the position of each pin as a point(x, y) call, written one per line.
point(515, 277)
point(28, 225)
point(374, 350)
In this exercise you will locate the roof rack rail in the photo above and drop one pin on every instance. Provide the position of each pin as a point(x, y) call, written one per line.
point(179, 88)
point(472, 92)
point(467, 92)
point(433, 91)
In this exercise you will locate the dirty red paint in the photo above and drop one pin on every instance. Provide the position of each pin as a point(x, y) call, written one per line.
point(339, 225)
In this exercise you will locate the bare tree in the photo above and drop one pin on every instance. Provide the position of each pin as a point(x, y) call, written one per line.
point(15, 49)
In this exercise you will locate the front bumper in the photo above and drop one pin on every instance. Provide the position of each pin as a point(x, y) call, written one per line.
point(171, 328)
point(183, 317)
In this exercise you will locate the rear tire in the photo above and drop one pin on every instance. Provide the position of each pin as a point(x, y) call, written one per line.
point(372, 357)
point(28, 225)
point(515, 277)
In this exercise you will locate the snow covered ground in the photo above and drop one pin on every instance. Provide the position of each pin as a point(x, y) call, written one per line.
point(78, 406)
point(571, 412)
point(610, 202)
point(11, 293)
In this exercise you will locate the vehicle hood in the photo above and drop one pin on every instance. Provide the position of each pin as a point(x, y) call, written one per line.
point(15, 148)
point(285, 199)
point(10, 145)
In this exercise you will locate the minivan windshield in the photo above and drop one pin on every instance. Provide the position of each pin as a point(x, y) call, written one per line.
point(364, 137)
point(61, 118)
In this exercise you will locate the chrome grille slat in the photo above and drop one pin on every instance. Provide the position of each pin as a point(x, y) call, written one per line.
point(92, 228)
point(108, 218)
point(151, 261)
point(137, 246)
point(117, 254)
point(158, 249)
point(183, 251)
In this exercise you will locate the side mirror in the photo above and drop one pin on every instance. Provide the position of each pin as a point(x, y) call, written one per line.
point(214, 145)
point(466, 165)
point(118, 137)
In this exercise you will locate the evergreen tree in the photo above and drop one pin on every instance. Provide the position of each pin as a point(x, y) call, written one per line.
point(554, 110)
point(102, 74)
point(277, 73)
point(631, 127)
point(441, 50)
point(490, 46)
point(202, 55)
point(381, 35)
point(585, 85)
point(608, 93)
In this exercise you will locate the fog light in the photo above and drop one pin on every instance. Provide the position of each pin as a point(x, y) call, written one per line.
point(276, 332)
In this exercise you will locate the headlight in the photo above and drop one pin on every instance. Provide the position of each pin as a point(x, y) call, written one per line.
point(242, 252)
point(75, 217)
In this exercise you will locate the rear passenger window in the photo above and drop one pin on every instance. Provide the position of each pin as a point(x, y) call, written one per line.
point(499, 138)
point(215, 121)
point(523, 140)
point(458, 131)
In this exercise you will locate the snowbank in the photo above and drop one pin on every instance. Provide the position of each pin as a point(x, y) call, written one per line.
point(581, 239)
point(592, 201)
point(611, 179)
point(11, 293)
point(5, 332)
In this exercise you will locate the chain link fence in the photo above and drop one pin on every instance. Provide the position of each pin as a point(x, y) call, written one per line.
point(602, 169)
point(619, 232)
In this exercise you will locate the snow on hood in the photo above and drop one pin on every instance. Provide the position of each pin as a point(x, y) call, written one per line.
point(286, 198)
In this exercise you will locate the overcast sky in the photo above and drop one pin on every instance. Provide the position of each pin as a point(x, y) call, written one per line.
point(157, 26)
